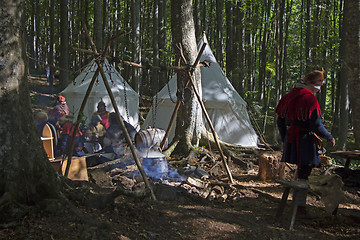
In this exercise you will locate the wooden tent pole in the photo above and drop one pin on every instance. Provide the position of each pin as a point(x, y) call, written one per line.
point(127, 137)
point(92, 44)
point(88, 91)
point(158, 68)
point(177, 106)
point(126, 133)
point(77, 123)
point(211, 127)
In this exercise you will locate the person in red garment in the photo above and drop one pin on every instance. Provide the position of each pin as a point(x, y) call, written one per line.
point(101, 111)
point(299, 123)
point(66, 134)
point(60, 109)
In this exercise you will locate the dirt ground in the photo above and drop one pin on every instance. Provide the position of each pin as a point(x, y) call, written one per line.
point(246, 210)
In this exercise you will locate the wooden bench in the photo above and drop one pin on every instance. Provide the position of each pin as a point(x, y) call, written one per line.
point(300, 188)
point(348, 155)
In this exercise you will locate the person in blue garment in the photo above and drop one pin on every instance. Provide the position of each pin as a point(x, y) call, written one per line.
point(300, 124)
point(114, 138)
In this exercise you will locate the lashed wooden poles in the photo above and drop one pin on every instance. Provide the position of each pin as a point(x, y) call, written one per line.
point(211, 127)
point(77, 123)
point(127, 136)
point(208, 120)
point(157, 68)
point(177, 106)
point(88, 91)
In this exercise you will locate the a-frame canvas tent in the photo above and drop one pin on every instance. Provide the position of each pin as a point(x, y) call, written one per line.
point(126, 98)
point(226, 108)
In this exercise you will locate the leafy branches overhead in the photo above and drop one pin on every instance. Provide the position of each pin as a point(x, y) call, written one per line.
point(252, 40)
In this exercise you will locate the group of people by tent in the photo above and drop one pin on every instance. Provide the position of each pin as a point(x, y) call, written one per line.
point(102, 133)
point(225, 106)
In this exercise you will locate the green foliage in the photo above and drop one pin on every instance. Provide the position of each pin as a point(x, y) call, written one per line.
point(248, 34)
point(199, 148)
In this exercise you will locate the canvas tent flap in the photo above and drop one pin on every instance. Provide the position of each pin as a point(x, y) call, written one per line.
point(126, 98)
point(226, 108)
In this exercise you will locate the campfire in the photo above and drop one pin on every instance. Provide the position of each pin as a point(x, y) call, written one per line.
point(123, 173)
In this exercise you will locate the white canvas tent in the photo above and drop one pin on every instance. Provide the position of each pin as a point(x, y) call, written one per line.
point(226, 108)
point(126, 98)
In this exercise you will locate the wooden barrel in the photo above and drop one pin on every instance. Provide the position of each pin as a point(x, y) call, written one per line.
point(150, 138)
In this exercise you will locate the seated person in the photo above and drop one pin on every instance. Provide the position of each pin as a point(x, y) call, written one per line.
point(66, 135)
point(58, 110)
point(41, 119)
point(114, 139)
point(94, 135)
point(103, 114)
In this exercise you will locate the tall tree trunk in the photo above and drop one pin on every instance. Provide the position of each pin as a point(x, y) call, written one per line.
point(162, 40)
point(64, 43)
point(204, 18)
point(189, 115)
point(239, 36)
point(26, 175)
point(286, 38)
point(308, 36)
point(86, 44)
point(155, 44)
point(31, 46)
point(37, 36)
point(197, 19)
point(352, 36)
point(301, 38)
point(219, 31)
point(136, 10)
point(105, 21)
point(247, 51)
point(98, 24)
point(279, 7)
point(229, 39)
point(263, 55)
point(315, 38)
point(51, 44)
point(334, 74)
point(343, 87)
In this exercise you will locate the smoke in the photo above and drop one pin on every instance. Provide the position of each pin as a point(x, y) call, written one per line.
point(156, 167)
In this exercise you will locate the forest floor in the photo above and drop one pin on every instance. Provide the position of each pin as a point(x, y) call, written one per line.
point(248, 214)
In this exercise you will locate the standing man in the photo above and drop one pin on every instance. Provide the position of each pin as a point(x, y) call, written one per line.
point(299, 122)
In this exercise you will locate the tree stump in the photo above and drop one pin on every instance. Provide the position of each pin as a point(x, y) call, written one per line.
point(271, 167)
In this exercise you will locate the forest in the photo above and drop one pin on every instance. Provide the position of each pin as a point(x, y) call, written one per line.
point(208, 190)
point(263, 46)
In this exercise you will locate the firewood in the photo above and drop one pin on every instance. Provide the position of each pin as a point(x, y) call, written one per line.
point(196, 182)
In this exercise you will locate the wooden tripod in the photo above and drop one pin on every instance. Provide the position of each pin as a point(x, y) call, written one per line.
point(99, 60)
